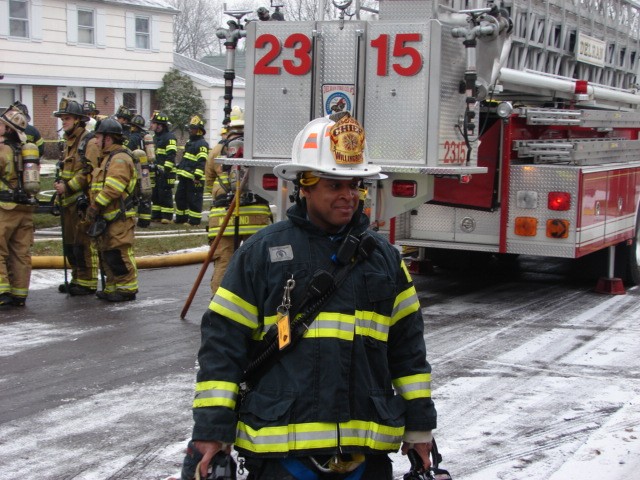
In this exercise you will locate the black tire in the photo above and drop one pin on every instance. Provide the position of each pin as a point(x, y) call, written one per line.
point(628, 259)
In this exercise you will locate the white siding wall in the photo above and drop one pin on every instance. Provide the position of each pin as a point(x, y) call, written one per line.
point(56, 55)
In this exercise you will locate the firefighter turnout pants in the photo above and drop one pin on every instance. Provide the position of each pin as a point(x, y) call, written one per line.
point(162, 199)
point(79, 249)
point(189, 201)
point(115, 247)
point(252, 218)
point(16, 239)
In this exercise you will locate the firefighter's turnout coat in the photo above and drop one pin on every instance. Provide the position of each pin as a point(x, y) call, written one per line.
point(112, 189)
point(162, 197)
point(355, 382)
point(79, 158)
point(191, 175)
point(16, 231)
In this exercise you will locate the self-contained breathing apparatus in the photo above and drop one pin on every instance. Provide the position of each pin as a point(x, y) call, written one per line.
point(99, 224)
point(27, 164)
point(234, 148)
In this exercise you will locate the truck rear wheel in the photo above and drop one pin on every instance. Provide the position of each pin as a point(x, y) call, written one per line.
point(628, 258)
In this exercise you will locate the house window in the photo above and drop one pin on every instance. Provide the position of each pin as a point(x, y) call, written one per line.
point(142, 32)
point(86, 27)
point(7, 97)
point(19, 18)
point(130, 100)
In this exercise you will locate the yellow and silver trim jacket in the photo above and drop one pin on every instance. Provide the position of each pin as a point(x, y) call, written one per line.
point(194, 159)
point(114, 181)
point(358, 379)
point(75, 173)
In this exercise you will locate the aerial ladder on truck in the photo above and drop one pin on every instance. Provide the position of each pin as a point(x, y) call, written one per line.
point(505, 127)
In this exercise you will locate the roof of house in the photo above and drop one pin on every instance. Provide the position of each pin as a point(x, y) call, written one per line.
point(204, 73)
point(220, 61)
point(147, 4)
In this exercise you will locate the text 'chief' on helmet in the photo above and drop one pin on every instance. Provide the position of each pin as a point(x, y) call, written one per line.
point(13, 118)
point(71, 107)
point(330, 149)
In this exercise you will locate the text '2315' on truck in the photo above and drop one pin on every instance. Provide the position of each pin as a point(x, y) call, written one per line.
point(506, 127)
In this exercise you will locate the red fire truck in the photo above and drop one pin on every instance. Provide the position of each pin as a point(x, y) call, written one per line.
point(505, 127)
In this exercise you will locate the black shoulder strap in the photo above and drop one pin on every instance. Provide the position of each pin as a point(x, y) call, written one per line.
point(322, 286)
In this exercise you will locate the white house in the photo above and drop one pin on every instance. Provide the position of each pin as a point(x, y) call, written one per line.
point(211, 83)
point(114, 52)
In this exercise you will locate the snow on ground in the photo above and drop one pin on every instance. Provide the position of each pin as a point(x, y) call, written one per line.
point(523, 400)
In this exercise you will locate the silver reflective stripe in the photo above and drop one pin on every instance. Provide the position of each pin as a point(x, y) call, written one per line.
point(233, 311)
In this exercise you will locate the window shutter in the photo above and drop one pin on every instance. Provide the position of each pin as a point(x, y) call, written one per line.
point(101, 28)
point(4, 18)
point(72, 24)
point(36, 20)
point(155, 33)
point(130, 31)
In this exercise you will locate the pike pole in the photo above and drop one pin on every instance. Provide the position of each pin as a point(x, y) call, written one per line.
point(212, 248)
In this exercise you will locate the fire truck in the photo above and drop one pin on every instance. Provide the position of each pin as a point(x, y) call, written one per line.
point(505, 127)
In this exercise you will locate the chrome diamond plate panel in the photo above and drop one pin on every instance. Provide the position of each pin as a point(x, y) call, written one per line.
point(281, 103)
point(405, 10)
point(543, 179)
point(460, 225)
point(451, 144)
point(396, 108)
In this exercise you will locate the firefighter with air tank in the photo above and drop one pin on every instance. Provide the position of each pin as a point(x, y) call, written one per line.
point(79, 158)
point(19, 183)
point(254, 212)
point(141, 145)
point(111, 213)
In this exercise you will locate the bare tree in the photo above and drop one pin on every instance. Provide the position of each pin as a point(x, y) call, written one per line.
point(195, 26)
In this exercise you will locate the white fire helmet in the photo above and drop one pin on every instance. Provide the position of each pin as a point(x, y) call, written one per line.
point(330, 149)
point(236, 117)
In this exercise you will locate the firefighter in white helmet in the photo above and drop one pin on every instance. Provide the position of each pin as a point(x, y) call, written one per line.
point(254, 211)
point(16, 214)
point(351, 384)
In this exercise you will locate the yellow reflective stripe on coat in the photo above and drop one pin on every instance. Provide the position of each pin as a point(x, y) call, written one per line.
point(414, 386)
point(306, 436)
point(70, 199)
point(235, 308)
point(405, 304)
point(215, 394)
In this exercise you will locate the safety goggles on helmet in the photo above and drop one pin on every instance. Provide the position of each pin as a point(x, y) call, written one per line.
point(330, 149)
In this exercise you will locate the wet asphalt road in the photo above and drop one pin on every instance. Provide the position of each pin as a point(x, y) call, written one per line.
point(93, 390)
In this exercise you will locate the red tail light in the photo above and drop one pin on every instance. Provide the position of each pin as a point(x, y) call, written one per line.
point(269, 182)
point(559, 201)
point(404, 188)
point(581, 87)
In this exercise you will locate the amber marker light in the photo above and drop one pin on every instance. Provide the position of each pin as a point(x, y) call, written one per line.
point(526, 226)
point(557, 228)
point(559, 201)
